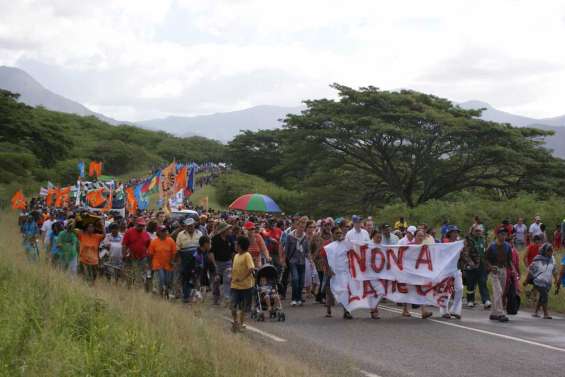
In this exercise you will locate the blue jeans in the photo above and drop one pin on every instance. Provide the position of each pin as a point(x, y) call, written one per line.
point(165, 279)
point(297, 273)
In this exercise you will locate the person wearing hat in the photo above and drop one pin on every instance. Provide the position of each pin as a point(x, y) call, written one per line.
point(136, 241)
point(498, 259)
point(409, 237)
point(187, 243)
point(221, 253)
point(357, 234)
point(257, 247)
point(388, 237)
point(162, 251)
point(454, 310)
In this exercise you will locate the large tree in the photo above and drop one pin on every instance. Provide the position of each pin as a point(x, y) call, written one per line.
point(419, 147)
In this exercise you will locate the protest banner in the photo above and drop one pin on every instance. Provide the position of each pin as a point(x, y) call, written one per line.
point(414, 274)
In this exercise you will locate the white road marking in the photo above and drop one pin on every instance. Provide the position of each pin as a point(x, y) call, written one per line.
point(516, 339)
point(260, 332)
point(368, 374)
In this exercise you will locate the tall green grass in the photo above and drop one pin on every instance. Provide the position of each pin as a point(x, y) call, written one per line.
point(54, 325)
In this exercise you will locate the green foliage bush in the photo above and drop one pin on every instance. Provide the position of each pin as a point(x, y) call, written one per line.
point(467, 205)
point(234, 184)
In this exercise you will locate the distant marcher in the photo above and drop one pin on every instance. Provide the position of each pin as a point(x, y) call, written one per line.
point(357, 234)
point(520, 233)
point(474, 267)
point(296, 248)
point(88, 254)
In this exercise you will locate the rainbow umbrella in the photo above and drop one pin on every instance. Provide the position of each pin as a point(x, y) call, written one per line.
point(255, 203)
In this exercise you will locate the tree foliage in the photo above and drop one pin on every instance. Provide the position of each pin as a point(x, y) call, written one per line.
point(376, 146)
point(38, 145)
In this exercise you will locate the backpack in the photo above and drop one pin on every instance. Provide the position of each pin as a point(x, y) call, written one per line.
point(512, 299)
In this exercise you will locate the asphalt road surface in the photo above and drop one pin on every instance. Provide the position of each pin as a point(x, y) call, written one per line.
point(395, 346)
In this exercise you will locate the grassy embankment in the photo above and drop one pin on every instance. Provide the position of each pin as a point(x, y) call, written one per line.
point(55, 325)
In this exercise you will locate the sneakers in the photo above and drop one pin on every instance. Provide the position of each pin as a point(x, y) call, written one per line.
point(470, 305)
point(300, 303)
point(487, 305)
point(293, 303)
point(503, 318)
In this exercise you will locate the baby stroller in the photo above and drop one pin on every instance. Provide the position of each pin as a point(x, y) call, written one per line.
point(266, 288)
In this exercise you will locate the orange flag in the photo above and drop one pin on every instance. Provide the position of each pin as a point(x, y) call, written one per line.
point(49, 198)
point(63, 196)
point(180, 181)
point(95, 169)
point(131, 201)
point(18, 200)
point(95, 198)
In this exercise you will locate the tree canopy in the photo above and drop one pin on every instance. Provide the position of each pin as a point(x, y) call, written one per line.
point(409, 146)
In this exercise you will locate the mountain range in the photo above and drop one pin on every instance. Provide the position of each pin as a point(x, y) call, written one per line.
point(224, 126)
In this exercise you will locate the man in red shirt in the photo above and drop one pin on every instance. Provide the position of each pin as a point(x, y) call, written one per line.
point(533, 250)
point(136, 242)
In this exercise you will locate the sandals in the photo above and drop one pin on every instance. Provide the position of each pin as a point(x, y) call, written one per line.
point(375, 314)
point(426, 315)
point(347, 315)
point(406, 314)
point(547, 317)
point(446, 316)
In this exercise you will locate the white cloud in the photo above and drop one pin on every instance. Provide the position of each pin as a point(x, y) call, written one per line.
point(152, 58)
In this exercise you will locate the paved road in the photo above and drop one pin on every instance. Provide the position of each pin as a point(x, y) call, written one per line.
point(394, 346)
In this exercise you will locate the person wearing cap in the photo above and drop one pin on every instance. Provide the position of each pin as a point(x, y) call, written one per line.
point(409, 237)
point(187, 243)
point(498, 259)
point(474, 267)
point(136, 241)
point(221, 253)
point(162, 251)
point(454, 310)
point(357, 234)
point(388, 237)
point(257, 247)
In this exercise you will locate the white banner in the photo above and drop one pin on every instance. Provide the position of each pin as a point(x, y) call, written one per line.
point(415, 274)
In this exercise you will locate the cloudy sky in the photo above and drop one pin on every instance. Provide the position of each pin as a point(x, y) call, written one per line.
point(139, 59)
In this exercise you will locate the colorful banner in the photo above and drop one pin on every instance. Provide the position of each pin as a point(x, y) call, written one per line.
point(414, 274)
point(167, 181)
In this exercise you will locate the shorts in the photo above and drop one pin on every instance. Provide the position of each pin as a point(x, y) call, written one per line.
point(241, 299)
point(543, 295)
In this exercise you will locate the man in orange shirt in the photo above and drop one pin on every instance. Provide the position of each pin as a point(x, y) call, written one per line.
point(88, 251)
point(162, 251)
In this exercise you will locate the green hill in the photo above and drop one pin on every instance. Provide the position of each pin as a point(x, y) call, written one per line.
point(37, 145)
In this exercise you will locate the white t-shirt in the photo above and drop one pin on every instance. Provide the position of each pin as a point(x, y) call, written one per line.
point(404, 241)
point(46, 229)
point(114, 245)
point(361, 236)
point(520, 231)
point(535, 229)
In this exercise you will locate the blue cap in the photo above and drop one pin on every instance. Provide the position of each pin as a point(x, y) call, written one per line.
point(356, 219)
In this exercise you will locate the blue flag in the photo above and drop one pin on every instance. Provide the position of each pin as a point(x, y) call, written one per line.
point(81, 168)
